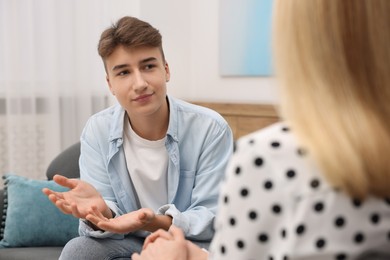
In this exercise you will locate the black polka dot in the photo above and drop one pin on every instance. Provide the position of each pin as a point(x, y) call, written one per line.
point(270, 257)
point(226, 199)
point(339, 222)
point(341, 256)
point(285, 257)
point(268, 185)
point(240, 244)
point(223, 249)
point(283, 233)
point(315, 183)
point(300, 229)
point(357, 203)
point(244, 192)
point(387, 201)
point(319, 206)
point(238, 170)
point(358, 238)
point(285, 129)
point(258, 161)
point(232, 221)
point(375, 218)
point(320, 243)
point(275, 144)
point(290, 174)
point(263, 238)
point(388, 236)
point(252, 215)
point(276, 209)
point(234, 147)
point(251, 141)
point(301, 152)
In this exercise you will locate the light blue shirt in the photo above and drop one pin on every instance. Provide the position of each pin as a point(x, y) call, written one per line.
point(199, 144)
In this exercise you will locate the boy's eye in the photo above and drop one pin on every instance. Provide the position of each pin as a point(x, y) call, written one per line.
point(149, 66)
point(124, 72)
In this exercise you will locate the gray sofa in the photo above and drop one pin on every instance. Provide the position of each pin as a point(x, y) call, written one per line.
point(66, 163)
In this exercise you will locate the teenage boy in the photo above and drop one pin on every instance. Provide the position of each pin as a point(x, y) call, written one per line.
point(146, 163)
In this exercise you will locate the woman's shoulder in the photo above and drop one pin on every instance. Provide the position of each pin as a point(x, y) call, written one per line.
point(275, 154)
point(267, 132)
point(274, 140)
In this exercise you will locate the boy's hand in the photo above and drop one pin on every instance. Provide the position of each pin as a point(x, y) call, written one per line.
point(124, 224)
point(79, 200)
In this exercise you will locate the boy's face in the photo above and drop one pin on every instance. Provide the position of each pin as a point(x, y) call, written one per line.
point(137, 78)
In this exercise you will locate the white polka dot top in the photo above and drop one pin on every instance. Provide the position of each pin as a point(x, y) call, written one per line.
point(275, 205)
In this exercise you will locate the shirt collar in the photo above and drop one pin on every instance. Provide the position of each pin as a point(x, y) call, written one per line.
point(116, 131)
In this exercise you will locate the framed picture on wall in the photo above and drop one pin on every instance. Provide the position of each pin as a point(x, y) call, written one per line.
point(245, 38)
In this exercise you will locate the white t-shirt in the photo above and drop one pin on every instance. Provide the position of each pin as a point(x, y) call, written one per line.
point(147, 163)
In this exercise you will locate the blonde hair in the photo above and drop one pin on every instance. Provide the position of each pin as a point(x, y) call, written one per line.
point(333, 61)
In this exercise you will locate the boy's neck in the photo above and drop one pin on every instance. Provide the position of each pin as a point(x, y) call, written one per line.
point(152, 127)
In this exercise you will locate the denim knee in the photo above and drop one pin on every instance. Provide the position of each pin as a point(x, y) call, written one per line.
point(97, 248)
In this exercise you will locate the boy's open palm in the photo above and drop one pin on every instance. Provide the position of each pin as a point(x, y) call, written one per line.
point(126, 223)
point(80, 198)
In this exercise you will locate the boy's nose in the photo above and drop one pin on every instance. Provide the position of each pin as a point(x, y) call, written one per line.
point(139, 81)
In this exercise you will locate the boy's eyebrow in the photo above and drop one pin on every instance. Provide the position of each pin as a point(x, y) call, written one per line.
point(121, 66)
point(148, 60)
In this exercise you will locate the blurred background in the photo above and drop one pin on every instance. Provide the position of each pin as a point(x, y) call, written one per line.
point(52, 79)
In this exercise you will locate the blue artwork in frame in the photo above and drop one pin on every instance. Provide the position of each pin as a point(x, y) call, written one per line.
point(245, 37)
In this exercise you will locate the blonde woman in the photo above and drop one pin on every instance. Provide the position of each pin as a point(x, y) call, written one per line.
point(318, 185)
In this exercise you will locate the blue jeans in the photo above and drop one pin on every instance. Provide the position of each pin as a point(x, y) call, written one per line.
point(85, 248)
point(101, 248)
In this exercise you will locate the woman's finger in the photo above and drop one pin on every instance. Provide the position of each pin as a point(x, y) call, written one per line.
point(157, 234)
point(176, 233)
point(135, 256)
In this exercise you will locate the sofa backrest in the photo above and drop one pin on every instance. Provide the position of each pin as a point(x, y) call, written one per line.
point(66, 163)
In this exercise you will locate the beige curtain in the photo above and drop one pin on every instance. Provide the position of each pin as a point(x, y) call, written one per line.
point(51, 77)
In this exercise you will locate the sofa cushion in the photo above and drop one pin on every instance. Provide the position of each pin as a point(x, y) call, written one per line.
point(30, 219)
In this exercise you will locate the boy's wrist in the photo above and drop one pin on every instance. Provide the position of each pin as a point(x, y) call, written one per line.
point(159, 221)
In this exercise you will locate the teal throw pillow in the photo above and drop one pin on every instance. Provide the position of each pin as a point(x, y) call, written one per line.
point(30, 219)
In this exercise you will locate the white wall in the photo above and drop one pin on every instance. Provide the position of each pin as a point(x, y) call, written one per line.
point(190, 38)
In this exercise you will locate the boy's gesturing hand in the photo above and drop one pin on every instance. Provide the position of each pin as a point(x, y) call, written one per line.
point(79, 200)
point(126, 223)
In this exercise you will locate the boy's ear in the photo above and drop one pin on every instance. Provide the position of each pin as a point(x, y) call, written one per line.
point(167, 72)
point(109, 85)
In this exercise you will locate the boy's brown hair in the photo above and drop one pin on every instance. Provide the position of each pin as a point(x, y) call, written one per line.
point(129, 32)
